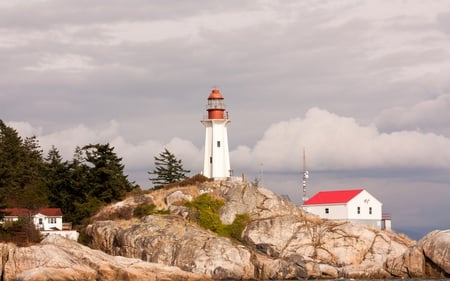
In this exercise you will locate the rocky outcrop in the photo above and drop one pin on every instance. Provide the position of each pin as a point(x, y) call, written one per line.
point(429, 258)
point(327, 249)
point(281, 242)
point(57, 258)
point(175, 241)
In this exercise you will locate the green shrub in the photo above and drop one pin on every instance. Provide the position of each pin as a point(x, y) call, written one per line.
point(148, 209)
point(205, 212)
point(144, 210)
point(235, 229)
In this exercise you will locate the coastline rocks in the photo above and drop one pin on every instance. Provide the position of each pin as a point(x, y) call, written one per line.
point(282, 241)
point(57, 258)
point(430, 258)
point(172, 240)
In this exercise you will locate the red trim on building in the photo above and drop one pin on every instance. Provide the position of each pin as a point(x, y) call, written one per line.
point(333, 197)
point(49, 212)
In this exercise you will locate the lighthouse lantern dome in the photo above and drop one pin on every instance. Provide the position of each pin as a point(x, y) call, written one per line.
point(216, 105)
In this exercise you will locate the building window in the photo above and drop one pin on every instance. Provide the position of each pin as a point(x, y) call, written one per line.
point(327, 211)
point(218, 143)
point(52, 220)
point(370, 210)
point(358, 210)
point(210, 159)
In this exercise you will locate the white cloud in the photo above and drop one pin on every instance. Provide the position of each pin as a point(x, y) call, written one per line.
point(136, 156)
point(66, 62)
point(425, 115)
point(334, 142)
point(24, 129)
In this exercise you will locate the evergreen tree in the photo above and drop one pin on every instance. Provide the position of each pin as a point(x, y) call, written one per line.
point(58, 181)
point(11, 157)
point(107, 180)
point(168, 169)
point(21, 170)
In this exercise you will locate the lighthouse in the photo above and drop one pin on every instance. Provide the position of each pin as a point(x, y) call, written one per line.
point(216, 161)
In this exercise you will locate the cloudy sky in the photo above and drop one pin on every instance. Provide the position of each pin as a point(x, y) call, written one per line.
point(363, 86)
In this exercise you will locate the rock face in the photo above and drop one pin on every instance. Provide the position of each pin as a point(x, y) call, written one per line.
point(281, 242)
point(172, 240)
point(327, 249)
point(429, 258)
point(57, 258)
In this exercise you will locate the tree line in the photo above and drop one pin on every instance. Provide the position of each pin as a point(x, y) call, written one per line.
point(81, 186)
point(28, 179)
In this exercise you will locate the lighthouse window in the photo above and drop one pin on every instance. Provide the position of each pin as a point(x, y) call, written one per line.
point(218, 143)
point(210, 159)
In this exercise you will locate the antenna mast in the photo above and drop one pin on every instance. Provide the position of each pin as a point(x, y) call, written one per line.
point(305, 176)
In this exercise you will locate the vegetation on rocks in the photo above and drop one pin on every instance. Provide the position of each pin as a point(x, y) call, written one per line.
point(148, 209)
point(205, 212)
point(21, 232)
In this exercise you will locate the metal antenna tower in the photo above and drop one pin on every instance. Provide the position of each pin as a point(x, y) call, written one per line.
point(305, 176)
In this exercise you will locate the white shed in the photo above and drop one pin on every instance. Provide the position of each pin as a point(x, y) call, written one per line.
point(355, 205)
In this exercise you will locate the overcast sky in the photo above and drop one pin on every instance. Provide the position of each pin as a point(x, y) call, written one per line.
point(363, 86)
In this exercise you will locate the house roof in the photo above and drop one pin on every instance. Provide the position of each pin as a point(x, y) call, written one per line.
point(50, 212)
point(333, 197)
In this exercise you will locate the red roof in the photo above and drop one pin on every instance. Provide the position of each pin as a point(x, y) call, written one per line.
point(333, 197)
point(215, 94)
point(50, 212)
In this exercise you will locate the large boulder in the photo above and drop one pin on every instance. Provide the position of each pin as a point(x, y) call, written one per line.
point(430, 258)
point(58, 258)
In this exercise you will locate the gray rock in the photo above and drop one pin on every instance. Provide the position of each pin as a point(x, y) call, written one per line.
point(57, 258)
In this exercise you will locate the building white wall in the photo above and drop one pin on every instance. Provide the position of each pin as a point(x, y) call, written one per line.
point(69, 234)
point(369, 207)
point(349, 211)
point(47, 223)
point(216, 161)
point(335, 211)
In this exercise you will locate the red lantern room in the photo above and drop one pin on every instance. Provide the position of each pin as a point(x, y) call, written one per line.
point(216, 105)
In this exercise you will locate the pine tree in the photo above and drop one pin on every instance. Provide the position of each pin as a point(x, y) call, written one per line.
point(58, 181)
point(168, 169)
point(21, 170)
point(106, 178)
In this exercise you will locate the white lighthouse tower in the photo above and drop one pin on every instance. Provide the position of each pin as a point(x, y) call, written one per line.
point(216, 162)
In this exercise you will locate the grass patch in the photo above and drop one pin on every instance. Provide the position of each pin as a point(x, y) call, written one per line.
point(148, 209)
point(205, 212)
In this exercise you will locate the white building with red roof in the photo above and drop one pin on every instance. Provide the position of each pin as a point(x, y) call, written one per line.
point(43, 219)
point(47, 220)
point(356, 205)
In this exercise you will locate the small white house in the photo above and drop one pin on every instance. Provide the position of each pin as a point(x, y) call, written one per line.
point(356, 205)
point(43, 219)
point(47, 220)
